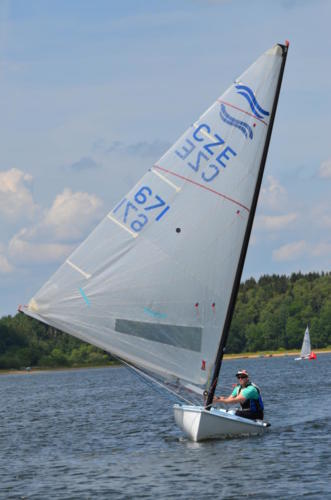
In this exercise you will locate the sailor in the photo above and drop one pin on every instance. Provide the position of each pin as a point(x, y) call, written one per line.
point(248, 395)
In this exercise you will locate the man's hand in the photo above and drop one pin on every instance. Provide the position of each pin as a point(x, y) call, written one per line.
point(219, 399)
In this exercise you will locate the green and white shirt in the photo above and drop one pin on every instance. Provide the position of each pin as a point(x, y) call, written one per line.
point(249, 392)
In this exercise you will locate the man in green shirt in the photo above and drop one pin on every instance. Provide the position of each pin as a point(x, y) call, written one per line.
point(248, 395)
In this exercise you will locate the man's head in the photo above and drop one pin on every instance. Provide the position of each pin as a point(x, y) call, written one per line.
point(242, 376)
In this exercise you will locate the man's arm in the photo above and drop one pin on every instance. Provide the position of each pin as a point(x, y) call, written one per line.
point(230, 399)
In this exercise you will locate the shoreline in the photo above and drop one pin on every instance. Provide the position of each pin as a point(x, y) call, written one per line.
point(249, 355)
point(272, 354)
point(34, 370)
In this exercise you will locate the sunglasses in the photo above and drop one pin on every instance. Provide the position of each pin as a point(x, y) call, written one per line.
point(241, 376)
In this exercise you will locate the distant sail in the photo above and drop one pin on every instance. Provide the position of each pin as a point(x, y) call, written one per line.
point(306, 347)
point(152, 283)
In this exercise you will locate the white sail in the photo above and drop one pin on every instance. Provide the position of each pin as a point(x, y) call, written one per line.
point(152, 282)
point(306, 347)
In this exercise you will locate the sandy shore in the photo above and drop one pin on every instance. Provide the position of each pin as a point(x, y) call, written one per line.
point(248, 355)
point(33, 371)
point(271, 354)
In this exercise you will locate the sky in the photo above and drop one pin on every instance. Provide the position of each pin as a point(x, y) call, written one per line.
point(94, 92)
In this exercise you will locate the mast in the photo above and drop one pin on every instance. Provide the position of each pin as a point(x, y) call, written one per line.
point(236, 284)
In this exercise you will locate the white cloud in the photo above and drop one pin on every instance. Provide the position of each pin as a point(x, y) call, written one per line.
point(325, 169)
point(273, 194)
point(321, 214)
point(321, 249)
point(22, 251)
point(302, 248)
point(5, 266)
point(62, 227)
point(291, 251)
point(71, 215)
point(15, 198)
point(275, 222)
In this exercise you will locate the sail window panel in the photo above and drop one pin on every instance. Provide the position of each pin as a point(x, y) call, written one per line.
point(185, 337)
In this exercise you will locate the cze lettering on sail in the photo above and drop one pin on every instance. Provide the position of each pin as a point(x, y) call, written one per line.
point(202, 149)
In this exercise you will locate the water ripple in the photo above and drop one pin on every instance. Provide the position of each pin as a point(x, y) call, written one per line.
point(100, 434)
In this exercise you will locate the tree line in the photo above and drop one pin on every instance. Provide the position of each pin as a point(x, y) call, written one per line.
point(25, 342)
point(273, 312)
point(270, 314)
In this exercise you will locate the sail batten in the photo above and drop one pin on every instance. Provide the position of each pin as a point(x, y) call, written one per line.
point(133, 234)
point(78, 269)
point(176, 188)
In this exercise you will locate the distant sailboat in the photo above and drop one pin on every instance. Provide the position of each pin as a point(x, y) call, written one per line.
point(306, 352)
point(156, 282)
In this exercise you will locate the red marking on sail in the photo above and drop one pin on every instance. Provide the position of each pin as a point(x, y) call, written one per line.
point(202, 186)
point(243, 111)
point(203, 365)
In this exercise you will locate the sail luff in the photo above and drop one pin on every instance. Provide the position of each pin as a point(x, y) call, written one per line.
point(235, 289)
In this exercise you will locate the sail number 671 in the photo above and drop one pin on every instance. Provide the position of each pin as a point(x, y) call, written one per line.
point(130, 209)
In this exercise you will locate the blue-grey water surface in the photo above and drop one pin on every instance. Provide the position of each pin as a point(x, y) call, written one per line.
point(102, 433)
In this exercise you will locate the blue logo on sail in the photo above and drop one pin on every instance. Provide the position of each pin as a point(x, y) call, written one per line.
point(247, 92)
point(155, 314)
point(230, 120)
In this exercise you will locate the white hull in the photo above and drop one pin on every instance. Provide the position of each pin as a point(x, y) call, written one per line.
point(199, 424)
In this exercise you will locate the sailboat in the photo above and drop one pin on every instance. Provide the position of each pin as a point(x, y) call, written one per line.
point(306, 352)
point(156, 282)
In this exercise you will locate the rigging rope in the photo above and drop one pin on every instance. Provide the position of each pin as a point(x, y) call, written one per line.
point(152, 381)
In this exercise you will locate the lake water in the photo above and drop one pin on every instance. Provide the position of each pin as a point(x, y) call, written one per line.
point(101, 433)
